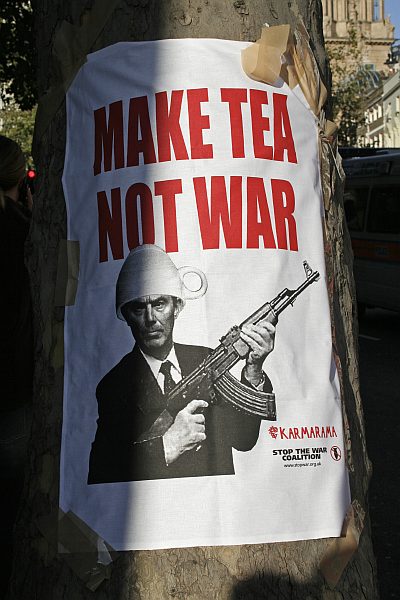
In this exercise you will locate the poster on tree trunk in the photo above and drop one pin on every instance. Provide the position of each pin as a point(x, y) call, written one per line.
point(201, 399)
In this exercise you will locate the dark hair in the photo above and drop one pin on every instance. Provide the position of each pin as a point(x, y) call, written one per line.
point(12, 165)
point(178, 302)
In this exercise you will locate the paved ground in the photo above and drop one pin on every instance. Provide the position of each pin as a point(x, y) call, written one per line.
point(380, 389)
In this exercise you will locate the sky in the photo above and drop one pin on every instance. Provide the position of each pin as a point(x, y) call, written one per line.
point(392, 8)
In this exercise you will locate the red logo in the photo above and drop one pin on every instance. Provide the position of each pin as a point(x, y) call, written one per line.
point(273, 431)
point(336, 453)
point(300, 433)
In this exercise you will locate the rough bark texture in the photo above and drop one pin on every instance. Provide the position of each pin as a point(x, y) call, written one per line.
point(270, 571)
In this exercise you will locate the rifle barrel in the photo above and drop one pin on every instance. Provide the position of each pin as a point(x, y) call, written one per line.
point(286, 297)
point(295, 293)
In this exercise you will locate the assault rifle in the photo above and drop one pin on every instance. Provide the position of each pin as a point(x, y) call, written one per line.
point(212, 381)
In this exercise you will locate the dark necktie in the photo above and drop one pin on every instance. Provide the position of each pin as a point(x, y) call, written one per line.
point(169, 383)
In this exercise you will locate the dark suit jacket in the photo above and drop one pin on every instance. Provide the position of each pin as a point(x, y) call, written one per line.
point(130, 401)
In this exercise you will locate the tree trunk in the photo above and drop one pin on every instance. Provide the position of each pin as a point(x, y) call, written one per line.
point(281, 570)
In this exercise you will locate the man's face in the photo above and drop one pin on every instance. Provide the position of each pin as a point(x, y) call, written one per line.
point(151, 319)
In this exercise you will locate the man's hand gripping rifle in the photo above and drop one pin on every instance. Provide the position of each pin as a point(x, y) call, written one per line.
point(212, 380)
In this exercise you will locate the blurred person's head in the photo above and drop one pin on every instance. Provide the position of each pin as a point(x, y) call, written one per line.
point(12, 169)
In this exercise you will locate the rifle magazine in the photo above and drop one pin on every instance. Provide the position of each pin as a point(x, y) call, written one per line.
point(245, 398)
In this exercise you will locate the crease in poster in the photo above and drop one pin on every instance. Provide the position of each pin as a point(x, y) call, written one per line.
point(201, 399)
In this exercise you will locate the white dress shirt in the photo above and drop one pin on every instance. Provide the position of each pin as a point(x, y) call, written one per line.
point(155, 365)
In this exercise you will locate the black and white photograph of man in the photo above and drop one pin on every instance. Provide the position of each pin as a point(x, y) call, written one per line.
point(130, 444)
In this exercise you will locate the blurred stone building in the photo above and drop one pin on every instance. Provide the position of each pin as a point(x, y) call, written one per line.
point(377, 32)
point(380, 65)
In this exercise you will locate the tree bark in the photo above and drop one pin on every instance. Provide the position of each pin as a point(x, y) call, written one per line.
point(281, 570)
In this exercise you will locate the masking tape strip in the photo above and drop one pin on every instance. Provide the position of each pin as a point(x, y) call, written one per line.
point(329, 155)
point(70, 47)
point(86, 553)
point(262, 61)
point(67, 273)
point(341, 550)
point(284, 53)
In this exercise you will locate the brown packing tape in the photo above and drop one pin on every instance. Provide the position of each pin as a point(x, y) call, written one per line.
point(329, 156)
point(67, 273)
point(86, 553)
point(70, 46)
point(341, 550)
point(330, 129)
point(307, 70)
point(286, 54)
point(292, 60)
point(262, 60)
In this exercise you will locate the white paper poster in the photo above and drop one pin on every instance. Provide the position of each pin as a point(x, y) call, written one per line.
point(201, 399)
